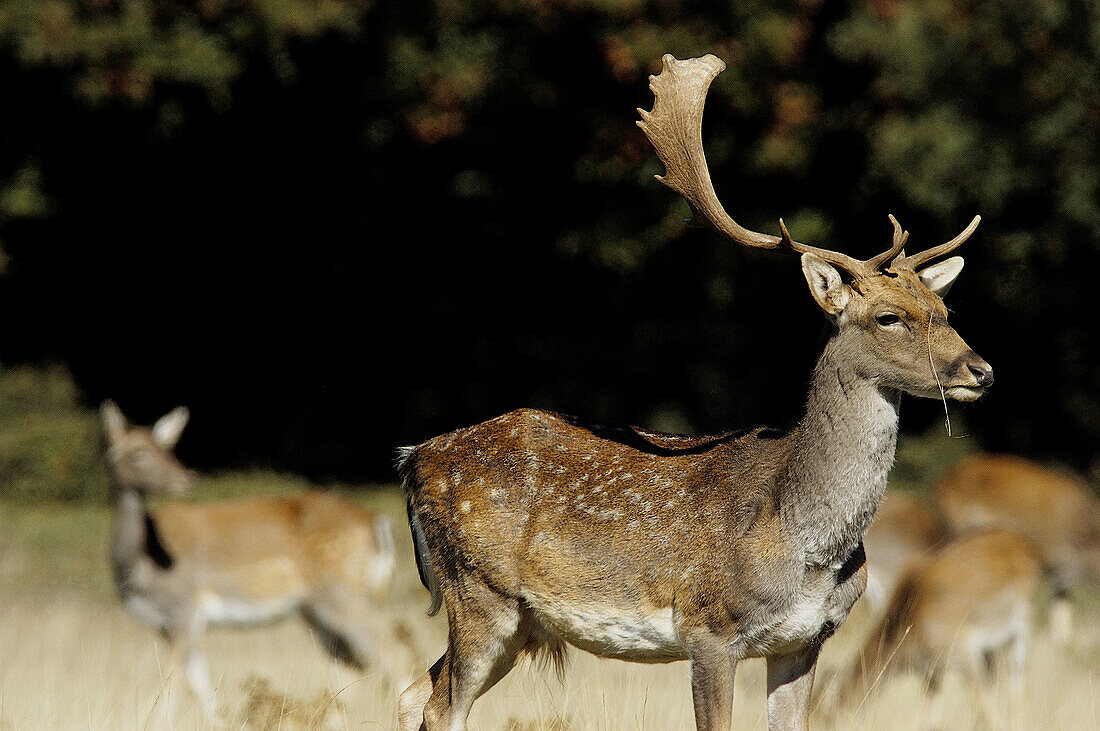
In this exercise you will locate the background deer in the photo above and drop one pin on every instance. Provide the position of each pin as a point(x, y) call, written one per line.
point(903, 531)
point(1056, 509)
point(970, 600)
point(185, 566)
point(539, 530)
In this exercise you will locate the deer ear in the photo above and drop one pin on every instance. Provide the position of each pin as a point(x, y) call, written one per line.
point(167, 430)
point(114, 423)
point(829, 290)
point(940, 277)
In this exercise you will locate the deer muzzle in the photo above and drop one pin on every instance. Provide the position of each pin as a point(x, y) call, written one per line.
point(967, 377)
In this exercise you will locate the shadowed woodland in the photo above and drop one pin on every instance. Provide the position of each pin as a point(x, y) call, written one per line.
point(335, 228)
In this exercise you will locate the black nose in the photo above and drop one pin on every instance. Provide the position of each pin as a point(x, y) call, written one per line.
point(983, 374)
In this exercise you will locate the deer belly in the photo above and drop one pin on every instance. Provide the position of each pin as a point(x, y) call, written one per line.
point(638, 634)
point(219, 609)
point(255, 592)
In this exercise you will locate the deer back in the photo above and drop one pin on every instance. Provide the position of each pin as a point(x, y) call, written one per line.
point(1055, 508)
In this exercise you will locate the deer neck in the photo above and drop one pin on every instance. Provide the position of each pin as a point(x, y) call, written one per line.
point(842, 450)
point(129, 534)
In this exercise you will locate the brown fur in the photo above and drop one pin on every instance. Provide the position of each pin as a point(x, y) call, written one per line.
point(972, 598)
point(267, 544)
point(1056, 509)
point(903, 531)
point(246, 561)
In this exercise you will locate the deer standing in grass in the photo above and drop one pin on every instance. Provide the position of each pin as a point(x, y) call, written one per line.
point(1056, 509)
point(185, 566)
point(540, 530)
point(972, 599)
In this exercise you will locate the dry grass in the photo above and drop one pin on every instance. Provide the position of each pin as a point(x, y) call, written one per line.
point(71, 657)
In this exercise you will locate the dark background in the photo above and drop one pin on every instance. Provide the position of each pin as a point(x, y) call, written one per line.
point(335, 228)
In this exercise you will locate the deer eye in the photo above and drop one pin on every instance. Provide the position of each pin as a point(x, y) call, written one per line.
point(887, 319)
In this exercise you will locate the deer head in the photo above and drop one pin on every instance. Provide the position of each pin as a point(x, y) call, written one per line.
point(888, 310)
point(141, 458)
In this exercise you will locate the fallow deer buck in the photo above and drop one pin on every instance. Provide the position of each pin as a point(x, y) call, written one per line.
point(1056, 509)
point(185, 566)
point(539, 529)
point(972, 599)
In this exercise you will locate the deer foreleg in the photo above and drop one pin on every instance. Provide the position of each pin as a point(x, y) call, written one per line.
point(790, 683)
point(712, 673)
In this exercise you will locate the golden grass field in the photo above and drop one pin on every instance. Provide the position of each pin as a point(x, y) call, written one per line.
point(72, 658)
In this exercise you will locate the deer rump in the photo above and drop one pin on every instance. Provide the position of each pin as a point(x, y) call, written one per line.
point(609, 537)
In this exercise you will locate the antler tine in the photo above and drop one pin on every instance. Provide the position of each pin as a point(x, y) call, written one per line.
point(855, 267)
point(675, 129)
point(923, 257)
point(899, 233)
point(900, 238)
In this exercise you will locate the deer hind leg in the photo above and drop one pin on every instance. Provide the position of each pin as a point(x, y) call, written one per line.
point(486, 632)
point(357, 632)
point(410, 705)
point(790, 685)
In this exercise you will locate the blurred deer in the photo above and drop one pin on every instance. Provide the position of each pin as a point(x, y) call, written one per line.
point(185, 566)
point(1055, 509)
point(539, 529)
point(969, 601)
point(903, 530)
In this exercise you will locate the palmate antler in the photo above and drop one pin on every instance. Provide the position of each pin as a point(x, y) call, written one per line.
point(675, 129)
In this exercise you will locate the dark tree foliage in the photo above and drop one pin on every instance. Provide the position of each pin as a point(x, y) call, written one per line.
point(332, 227)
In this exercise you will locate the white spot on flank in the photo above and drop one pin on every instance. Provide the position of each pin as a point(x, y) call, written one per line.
point(465, 507)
